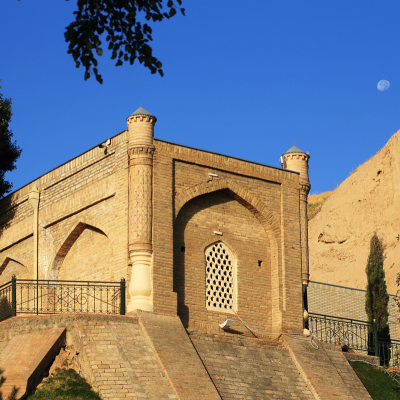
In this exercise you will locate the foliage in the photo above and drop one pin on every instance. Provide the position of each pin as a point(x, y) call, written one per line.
point(314, 208)
point(13, 394)
point(377, 298)
point(9, 151)
point(120, 21)
point(315, 203)
point(378, 383)
point(66, 384)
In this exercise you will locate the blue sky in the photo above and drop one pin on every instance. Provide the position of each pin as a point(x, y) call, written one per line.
point(244, 79)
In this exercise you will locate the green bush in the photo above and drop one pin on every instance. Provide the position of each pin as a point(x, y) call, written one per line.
point(66, 384)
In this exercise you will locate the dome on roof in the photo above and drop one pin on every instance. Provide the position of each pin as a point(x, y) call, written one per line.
point(295, 149)
point(142, 111)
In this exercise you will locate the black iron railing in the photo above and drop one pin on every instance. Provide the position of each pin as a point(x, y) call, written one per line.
point(6, 301)
point(26, 296)
point(389, 352)
point(351, 333)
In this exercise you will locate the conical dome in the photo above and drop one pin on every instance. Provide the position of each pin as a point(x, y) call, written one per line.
point(142, 111)
point(294, 149)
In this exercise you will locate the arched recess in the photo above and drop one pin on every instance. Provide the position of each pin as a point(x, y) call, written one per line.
point(12, 266)
point(239, 193)
point(85, 254)
point(265, 217)
point(244, 197)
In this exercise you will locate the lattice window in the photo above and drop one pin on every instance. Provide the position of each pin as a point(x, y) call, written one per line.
point(219, 278)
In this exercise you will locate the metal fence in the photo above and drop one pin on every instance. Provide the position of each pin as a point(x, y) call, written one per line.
point(389, 353)
point(354, 334)
point(26, 296)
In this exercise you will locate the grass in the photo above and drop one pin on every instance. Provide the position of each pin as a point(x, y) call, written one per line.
point(314, 209)
point(66, 384)
point(315, 203)
point(379, 384)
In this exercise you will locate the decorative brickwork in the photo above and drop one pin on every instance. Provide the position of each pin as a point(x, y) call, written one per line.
point(128, 212)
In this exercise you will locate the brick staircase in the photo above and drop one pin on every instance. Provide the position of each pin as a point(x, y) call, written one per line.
point(26, 357)
point(150, 356)
point(152, 359)
point(122, 361)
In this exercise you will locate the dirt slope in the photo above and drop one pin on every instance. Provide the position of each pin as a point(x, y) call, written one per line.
point(367, 201)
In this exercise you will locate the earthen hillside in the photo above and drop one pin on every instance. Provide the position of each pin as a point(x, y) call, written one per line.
point(367, 201)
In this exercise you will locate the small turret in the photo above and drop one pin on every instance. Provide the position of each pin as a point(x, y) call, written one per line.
point(296, 160)
point(140, 151)
point(141, 128)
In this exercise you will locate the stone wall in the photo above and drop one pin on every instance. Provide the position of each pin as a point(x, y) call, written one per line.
point(82, 220)
point(198, 198)
point(253, 209)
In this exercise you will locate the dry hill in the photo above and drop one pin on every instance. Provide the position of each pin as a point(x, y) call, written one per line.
point(367, 201)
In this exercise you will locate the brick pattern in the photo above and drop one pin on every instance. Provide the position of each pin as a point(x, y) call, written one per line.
point(178, 357)
point(26, 356)
point(244, 368)
point(92, 191)
point(83, 220)
point(346, 372)
point(88, 258)
point(326, 372)
point(122, 361)
point(270, 195)
point(152, 357)
point(346, 302)
point(245, 236)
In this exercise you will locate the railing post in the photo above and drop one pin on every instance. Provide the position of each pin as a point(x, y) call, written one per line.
point(14, 295)
point(376, 339)
point(122, 291)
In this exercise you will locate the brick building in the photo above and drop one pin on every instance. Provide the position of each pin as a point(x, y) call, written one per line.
point(200, 238)
point(193, 232)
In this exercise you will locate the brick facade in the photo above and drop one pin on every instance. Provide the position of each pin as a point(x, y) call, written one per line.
point(146, 210)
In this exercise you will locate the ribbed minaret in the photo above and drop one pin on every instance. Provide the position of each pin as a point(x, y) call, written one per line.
point(140, 150)
point(296, 160)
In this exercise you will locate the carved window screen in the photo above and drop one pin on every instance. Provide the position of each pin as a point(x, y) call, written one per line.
point(219, 278)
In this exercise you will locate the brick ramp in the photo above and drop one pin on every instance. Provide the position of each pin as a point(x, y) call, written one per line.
point(25, 358)
point(250, 368)
point(122, 362)
point(346, 372)
point(179, 358)
point(326, 371)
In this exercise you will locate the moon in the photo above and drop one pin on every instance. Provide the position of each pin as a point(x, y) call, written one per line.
point(383, 85)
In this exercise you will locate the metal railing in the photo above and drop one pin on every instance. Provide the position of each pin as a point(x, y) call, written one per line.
point(352, 333)
point(26, 296)
point(389, 353)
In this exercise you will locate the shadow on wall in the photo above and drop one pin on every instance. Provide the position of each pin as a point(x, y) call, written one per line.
point(85, 254)
point(186, 214)
point(7, 212)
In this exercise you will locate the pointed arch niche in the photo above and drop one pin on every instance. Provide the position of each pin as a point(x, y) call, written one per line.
point(84, 255)
point(11, 266)
point(226, 215)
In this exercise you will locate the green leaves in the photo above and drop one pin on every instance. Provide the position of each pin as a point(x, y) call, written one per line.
point(9, 151)
point(127, 38)
point(376, 297)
